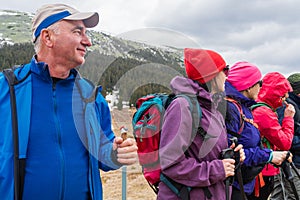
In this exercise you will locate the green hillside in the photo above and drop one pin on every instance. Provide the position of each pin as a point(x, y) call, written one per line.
point(133, 68)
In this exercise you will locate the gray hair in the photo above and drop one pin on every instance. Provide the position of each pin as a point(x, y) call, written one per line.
point(55, 28)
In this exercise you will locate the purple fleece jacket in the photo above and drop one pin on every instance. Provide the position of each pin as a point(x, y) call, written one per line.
point(192, 161)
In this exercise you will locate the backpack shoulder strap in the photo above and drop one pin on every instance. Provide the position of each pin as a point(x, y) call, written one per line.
point(242, 116)
point(195, 110)
point(19, 164)
point(258, 104)
point(238, 166)
point(10, 76)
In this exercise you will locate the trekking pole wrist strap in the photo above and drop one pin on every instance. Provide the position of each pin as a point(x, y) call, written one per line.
point(270, 157)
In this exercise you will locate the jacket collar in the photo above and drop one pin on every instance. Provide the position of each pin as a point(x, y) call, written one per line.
point(42, 70)
point(233, 93)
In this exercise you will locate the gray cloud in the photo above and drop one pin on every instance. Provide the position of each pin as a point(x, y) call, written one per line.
point(265, 32)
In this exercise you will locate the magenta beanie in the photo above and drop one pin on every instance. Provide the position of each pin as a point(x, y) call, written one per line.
point(243, 75)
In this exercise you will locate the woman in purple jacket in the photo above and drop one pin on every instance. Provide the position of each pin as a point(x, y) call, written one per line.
point(186, 158)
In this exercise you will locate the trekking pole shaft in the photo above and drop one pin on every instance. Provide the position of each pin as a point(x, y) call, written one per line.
point(292, 182)
point(227, 188)
point(294, 189)
point(295, 169)
point(124, 183)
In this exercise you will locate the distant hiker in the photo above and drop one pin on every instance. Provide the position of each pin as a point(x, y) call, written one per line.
point(63, 128)
point(272, 95)
point(194, 159)
point(242, 86)
point(282, 188)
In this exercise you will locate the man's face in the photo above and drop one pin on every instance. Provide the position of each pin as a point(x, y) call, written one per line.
point(70, 43)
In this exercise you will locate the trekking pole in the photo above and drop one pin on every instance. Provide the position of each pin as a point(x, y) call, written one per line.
point(229, 153)
point(286, 168)
point(124, 182)
point(295, 169)
point(124, 168)
point(238, 169)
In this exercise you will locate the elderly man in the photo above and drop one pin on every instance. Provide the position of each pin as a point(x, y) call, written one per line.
point(63, 121)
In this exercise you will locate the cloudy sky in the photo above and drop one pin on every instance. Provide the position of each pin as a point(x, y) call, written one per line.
point(264, 32)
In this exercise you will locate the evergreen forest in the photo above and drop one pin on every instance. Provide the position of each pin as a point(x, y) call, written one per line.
point(132, 77)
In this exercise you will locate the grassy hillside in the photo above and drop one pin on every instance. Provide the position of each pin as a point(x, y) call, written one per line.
point(15, 26)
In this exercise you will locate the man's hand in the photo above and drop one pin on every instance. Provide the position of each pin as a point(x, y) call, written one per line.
point(126, 150)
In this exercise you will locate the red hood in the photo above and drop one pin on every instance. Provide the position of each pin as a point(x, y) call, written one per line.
point(275, 85)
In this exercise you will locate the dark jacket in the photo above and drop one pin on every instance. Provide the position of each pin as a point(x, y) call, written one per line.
point(295, 148)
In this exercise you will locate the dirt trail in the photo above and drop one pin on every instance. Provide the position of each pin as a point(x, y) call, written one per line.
point(137, 187)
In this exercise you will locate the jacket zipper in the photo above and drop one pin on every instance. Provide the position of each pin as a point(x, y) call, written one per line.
point(57, 127)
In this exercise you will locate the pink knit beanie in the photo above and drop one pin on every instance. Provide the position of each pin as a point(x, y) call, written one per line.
point(243, 75)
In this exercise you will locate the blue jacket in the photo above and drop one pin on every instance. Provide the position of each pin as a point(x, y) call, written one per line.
point(250, 136)
point(295, 148)
point(96, 124)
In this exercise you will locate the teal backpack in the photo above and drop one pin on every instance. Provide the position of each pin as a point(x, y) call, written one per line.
point(147, 123)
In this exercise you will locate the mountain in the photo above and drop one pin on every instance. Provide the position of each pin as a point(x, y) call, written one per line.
point(15, 27)
point(110, 60)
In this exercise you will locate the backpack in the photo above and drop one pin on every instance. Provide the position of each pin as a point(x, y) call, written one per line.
point(249, 173)
point(147, 123)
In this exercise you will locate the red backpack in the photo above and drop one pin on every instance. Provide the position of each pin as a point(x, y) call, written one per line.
point(147, 122)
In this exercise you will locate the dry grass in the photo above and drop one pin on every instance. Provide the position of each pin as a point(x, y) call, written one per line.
point(137, 187)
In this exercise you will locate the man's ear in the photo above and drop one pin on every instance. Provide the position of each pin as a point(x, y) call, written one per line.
point(46, 37)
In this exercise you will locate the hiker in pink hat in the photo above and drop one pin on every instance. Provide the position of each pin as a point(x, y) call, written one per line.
point(242, 86)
